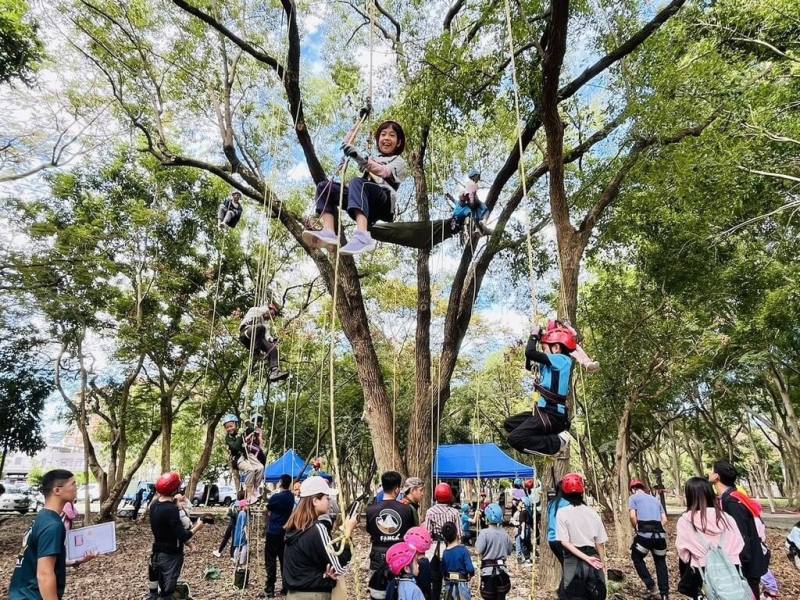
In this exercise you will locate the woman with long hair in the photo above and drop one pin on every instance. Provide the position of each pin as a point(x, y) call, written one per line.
point(311, 564)
point(703, 525)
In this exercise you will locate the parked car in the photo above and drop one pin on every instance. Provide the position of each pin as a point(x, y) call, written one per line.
point(17, 499)
point(216, 494)
point(125, 508)
point(93, 490)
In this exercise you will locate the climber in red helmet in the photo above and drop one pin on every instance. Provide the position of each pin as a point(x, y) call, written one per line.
point(440, 513)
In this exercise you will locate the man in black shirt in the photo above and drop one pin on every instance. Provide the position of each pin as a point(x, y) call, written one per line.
point(279, 507)
point(754, 561)
point(387, 523)
point(169, 536)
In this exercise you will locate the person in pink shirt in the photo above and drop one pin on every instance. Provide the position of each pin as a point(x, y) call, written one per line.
point(704, 516)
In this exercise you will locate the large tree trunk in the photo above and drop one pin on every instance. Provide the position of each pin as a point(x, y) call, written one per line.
point(205, 456)
point(109, 506)
point(622, 527)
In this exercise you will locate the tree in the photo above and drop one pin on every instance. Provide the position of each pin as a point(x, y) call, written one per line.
point(21, 50)
point(25, 384)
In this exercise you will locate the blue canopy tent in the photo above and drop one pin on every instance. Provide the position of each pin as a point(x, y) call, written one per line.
point(478, 461)
point(292, 463)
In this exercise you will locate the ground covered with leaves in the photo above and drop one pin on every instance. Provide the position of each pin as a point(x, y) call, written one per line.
point(123, 575)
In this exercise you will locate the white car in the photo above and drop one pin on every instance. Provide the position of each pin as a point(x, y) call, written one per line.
point(16, 499)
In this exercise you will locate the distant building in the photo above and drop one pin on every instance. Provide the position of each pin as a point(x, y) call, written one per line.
point(64, 451)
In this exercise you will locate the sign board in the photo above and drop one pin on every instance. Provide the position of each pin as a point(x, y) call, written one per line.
point(100, 538)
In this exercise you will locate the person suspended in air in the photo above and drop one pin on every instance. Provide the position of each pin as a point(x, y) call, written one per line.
point(230, 211)
point(543, 431)
point(254, 438)
point(248, 466)
point(255, 333)
point(468, 205)
point(370, 197)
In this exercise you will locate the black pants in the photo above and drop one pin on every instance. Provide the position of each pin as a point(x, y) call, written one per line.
point(227, 536)
point(164, 572)
point(658, 548)
point(537, 432)
point(755, 586)
point(256, 336)
point(273, 552)
point(579, 580)
point(361, 195)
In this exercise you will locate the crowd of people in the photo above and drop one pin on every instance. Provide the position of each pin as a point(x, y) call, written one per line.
point(720, 540)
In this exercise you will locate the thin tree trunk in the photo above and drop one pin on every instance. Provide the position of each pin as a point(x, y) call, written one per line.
point(205, 456)
point(3, 458)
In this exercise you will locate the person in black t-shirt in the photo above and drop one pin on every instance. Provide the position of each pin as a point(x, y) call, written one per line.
point(279, 507)
point(169, 536)
point(387, 523)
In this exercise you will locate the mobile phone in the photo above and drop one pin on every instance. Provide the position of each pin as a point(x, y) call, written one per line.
point(355, 509)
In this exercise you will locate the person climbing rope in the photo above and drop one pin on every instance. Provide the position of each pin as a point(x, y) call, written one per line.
point(169, 538)
point(240, 459)
point(230, 211)
point(255, 331)
point(544, 430)
point(370, 197)
point(469, 205)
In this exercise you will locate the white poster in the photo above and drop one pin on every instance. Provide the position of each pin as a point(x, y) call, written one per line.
point(100, 538)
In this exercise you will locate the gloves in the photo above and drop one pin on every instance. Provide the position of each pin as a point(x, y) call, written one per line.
point(350, 152)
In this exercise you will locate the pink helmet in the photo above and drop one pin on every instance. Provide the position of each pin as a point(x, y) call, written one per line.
point(399, 556)
point(419, 539)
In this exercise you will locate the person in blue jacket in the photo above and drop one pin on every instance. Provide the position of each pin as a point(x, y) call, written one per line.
point(544, 430)
point(556, 504)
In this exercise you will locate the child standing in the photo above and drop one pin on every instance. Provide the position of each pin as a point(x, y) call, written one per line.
point(495, 547)
point(543, 431)
point(402, 562)
point(521, 532)
point(232, 513)
point(371, 197)
point(467, 521)
point(420, 540)
point(457, 567)
point(240, 541)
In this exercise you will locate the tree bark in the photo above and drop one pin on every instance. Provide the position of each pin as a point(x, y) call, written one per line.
point(205, 456)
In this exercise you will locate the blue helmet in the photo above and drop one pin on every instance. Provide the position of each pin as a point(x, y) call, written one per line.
point(230, 418)
point(464, 507)
point(494, 514)
point(518, 483)
point(474, 173)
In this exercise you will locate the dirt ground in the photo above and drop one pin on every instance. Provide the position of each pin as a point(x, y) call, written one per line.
point(123, 575)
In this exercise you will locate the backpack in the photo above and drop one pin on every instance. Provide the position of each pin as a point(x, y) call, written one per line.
point(722, 580)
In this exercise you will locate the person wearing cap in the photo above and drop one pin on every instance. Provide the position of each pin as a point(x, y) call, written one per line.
point(754, 562)
point(648, 519)
point(369, 198)
point(311, 565)
point(583, 538)
point(240, 459)
point(169, 537)
point(412, 493)
point(387, 523)
point(256, 334)
point(230, 211)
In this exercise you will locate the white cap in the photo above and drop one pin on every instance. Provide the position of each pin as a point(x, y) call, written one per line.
point(315, 485)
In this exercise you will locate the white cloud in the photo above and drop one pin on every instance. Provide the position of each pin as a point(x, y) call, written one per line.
point(299, 172)
point(312, 22)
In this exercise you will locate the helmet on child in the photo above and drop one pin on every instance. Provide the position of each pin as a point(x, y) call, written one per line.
point(561, 334)
point(517, 483)
point(474, 173)
point(419, 538)
point(443, 493)
point(398, 129)
point(169, 483)
point(572, 483)
point(529, 484)
point(230, 418)
point(399, 556)
point(464, 507)
point(494, 514)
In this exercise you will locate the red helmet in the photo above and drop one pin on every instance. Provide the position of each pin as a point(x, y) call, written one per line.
point(561, 334)
point(443, 493)
point(572, 483)
point(636, 483)
point(529, 484)
point(169, 483)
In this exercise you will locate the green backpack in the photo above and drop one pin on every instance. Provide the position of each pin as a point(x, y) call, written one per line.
point(722, 580)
